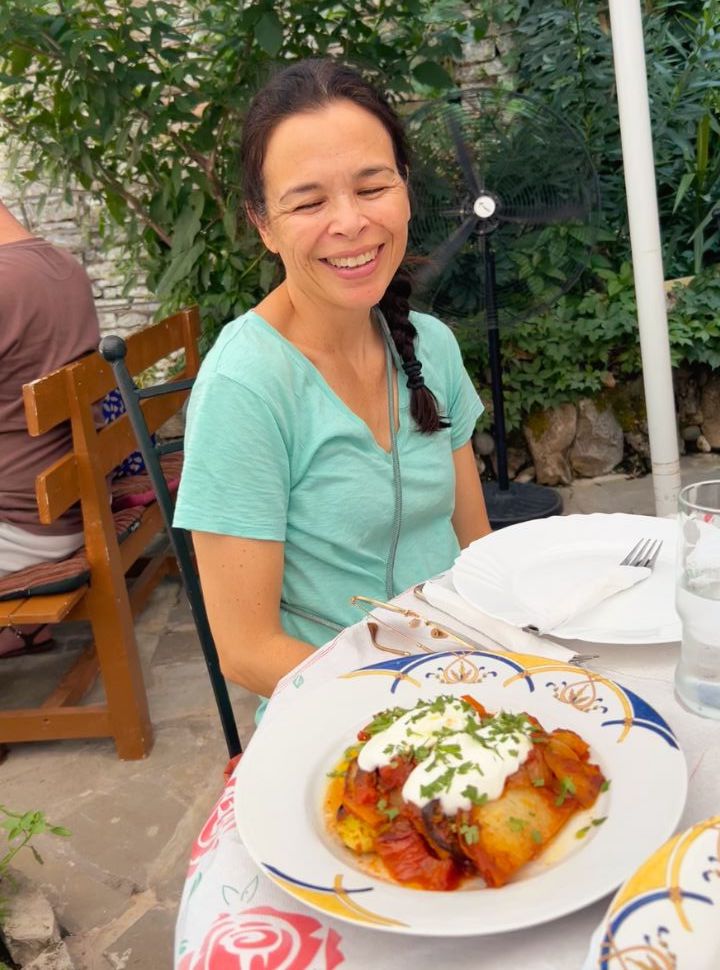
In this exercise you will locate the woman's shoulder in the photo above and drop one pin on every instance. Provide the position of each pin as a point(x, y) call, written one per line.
point(433, 334)
point(249, 351)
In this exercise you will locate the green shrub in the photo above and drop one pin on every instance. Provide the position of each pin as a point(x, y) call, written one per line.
point(20, 829)
point(142, 104)
point(588, 342)
point(563, 56)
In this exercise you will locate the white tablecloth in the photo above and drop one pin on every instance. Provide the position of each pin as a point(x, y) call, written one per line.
point(232, 917)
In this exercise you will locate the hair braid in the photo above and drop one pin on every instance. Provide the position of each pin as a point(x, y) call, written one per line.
point(395, 305)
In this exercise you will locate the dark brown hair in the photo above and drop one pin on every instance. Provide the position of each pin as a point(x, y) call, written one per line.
point(310, 85)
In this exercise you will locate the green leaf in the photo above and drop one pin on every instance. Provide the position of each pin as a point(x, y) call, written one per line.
point(685, 182)
point(268, 269)
point(20, 60)
point(432, 74)
point(188, 223)
point(179, 268)
point(269, 33)
point(230, 217)
point(60, 830)
point(117, 207)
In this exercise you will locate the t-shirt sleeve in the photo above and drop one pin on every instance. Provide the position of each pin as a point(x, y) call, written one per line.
point(236, 472)
point(465, 406)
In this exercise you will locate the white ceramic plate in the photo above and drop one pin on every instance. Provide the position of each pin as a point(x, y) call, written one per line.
point(511, 573)
point(283, 777)
point(668, 913)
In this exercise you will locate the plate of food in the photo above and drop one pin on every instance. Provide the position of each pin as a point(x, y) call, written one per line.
point(523, 574)
point(458, 794)
point(666, 914)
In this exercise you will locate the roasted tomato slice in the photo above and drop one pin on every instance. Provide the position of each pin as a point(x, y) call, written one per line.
point(360, 795)
point(394, 775)
point(476, 705)
point(408, 858)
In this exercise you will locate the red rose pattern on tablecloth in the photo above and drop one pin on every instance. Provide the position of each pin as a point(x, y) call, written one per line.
point(184, 962)
point(220, 821)
point(264, 938)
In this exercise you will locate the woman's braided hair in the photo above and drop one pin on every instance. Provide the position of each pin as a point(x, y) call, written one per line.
point(395, 305)
point(310, 85)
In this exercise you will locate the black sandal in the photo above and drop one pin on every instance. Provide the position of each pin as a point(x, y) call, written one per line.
point(29, 646)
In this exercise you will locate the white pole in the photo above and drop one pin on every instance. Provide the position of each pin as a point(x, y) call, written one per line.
point(639, 165)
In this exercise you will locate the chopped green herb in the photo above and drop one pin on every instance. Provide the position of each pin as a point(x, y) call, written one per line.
point(390, 813)
point(336, 774)
point(445, 751)
point(538, 782)
point(536, 836)
point(581, 833)
point(605, 785)
point(517, 824)
point(383, 720)
point(470, 833)
point(476, 797)
point(567, 787)
point(441, 783)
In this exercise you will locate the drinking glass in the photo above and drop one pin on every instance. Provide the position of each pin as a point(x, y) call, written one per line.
point(697, 677)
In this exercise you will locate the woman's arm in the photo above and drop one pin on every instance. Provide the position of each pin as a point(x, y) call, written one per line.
point(241, 581)
point(470, 519)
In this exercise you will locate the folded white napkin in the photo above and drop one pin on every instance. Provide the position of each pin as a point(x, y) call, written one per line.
point(580, 598)
point(441, 594)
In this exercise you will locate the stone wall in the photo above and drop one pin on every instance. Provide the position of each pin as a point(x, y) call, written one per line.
point(483, 63)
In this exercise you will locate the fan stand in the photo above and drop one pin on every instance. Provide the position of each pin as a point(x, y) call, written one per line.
point(507, 502)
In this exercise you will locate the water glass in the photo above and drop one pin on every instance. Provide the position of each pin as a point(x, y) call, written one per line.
point(697, 677)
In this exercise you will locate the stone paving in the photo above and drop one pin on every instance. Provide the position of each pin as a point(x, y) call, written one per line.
point(116, 882)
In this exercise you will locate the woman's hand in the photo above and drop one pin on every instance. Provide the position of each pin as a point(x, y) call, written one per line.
point(470, 518)
point(241, 581)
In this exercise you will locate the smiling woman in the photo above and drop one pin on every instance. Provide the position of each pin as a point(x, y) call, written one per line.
point(338, 223)
point(312, 473)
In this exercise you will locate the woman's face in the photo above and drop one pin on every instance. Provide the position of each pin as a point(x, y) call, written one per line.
point(337, 209)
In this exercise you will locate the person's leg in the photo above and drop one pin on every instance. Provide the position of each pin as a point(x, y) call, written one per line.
point(18, 550)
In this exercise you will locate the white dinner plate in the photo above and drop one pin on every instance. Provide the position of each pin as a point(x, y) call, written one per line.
point(509, 574)
point(283, 777)
point(666, 914)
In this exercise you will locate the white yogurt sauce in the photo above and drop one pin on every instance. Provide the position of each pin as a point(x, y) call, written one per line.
point(464, 762)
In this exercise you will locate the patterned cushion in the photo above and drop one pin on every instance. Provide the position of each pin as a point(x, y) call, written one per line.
point(112, 407)
point(48, 578)
point(137, 489)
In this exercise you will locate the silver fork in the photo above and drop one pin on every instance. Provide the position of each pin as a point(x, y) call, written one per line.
point(643, 553)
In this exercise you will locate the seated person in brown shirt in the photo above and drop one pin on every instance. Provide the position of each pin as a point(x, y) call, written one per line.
point(47, 319)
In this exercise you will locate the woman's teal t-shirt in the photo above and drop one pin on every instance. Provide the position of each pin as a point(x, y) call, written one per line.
point(271, 452)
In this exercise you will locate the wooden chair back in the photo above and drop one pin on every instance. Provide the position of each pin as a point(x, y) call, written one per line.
point(122, 575)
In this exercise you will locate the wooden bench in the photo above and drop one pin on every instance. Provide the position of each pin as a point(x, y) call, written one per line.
point(121, 574)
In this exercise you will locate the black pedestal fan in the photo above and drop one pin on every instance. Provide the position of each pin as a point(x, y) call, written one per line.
point(504, 199)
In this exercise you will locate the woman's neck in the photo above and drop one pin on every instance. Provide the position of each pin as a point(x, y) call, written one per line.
point(328, 331)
